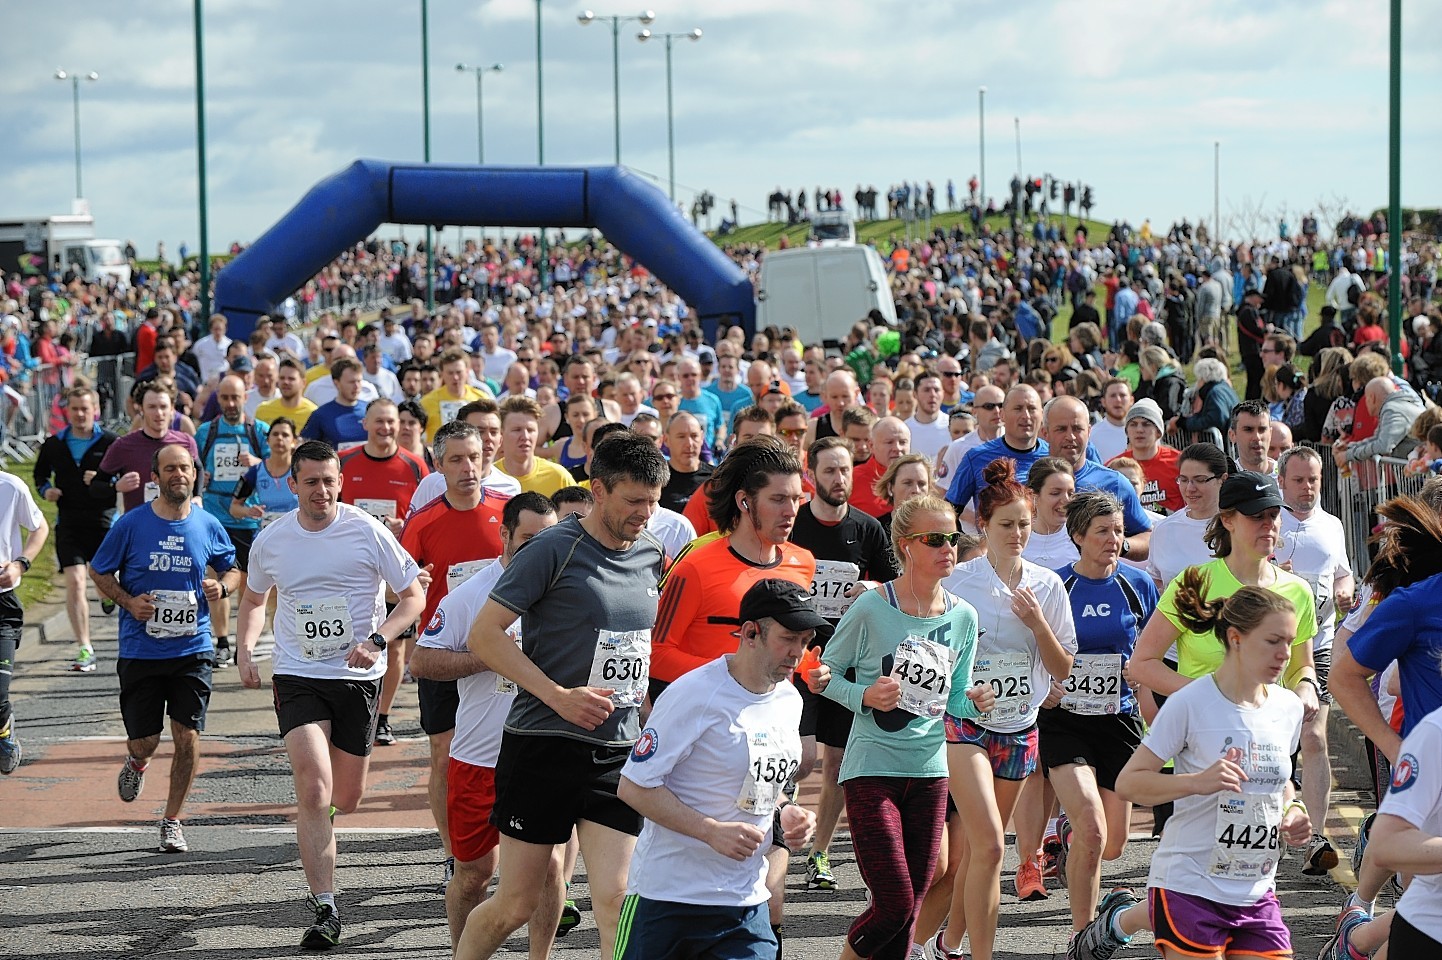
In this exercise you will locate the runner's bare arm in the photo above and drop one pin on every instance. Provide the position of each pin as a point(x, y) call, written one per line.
point(433, 663)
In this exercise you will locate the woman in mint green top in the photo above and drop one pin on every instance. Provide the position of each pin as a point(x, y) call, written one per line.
point(911, 646)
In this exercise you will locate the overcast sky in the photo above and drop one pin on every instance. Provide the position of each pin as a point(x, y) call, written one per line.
point(1127, 95)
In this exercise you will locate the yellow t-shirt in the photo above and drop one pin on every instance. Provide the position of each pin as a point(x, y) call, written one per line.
point(441, 407)
point(315, 373)
point(271, 409)
point(545, 478)
point(1199, 654)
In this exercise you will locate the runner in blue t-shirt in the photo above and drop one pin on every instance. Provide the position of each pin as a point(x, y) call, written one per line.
point(1092, 732)
point(152, 564)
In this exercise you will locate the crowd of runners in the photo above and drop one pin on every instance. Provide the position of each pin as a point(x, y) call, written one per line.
point(972, 578)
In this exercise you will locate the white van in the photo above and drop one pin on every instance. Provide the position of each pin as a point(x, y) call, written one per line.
point(822, 291)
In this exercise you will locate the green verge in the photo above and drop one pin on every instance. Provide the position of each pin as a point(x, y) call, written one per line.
point(36, 586)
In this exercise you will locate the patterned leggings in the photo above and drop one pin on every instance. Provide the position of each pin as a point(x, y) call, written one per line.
point(896, 825)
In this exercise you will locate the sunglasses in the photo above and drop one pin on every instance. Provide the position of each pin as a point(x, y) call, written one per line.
point(990, 406)
point(663, 396)
point(950, 373)
point(935, 539)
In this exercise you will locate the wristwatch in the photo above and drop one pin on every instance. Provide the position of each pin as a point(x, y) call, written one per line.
point(379, 640)
point(1126, 546)
point(24, 562)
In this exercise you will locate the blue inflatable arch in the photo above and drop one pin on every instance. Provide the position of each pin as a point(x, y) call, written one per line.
point(345, 208)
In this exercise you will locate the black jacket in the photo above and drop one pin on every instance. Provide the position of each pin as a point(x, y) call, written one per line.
point(79, 502)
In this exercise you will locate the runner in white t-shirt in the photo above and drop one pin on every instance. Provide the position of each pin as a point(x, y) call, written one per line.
point(482, 415)
point(485, 698)
point(330, 563)
point(710, 774)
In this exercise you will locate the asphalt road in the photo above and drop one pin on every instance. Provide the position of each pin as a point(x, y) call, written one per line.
point(80, 877)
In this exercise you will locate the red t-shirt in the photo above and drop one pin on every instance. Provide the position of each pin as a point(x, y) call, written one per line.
point(1160, 490)
point(444, 537)
point(144, 346)
point(387, 482)
point(863, 476)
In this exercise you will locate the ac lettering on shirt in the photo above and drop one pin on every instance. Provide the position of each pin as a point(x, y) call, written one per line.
point(171, 555)
point(1097, 610)
point(940, 634)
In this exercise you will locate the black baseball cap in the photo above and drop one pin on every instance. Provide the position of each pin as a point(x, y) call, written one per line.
point(785, 602)
point(1249, 492)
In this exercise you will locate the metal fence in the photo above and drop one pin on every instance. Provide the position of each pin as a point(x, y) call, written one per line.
point(32, 407)
point(363, 293)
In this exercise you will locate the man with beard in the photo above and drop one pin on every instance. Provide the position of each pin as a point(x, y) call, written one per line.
point(152, 565)
point(849, 546)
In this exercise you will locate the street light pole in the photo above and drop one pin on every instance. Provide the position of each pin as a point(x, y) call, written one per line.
point(1017, 121)
point(200, 155)
point(426, 147)
point(480, 73)
point(1217, 191)
point(585, 18)
point(1394, 187)
point(540, 140)
point(74, 79)
point(693, 36)
point(981, 141)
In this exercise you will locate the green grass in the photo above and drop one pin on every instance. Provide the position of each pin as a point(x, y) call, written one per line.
point(881, 231)
point(36, 585)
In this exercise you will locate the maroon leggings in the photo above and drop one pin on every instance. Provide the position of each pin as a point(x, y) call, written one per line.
point(896, 827)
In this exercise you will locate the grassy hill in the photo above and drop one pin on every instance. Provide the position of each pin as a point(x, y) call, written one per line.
point(880, 231)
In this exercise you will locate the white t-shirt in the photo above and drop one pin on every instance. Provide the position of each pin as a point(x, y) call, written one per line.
point(1416, 796)
point(385, 383)
point(630, 418)
point(1051, 550)
point(496, 364)
point(331, 589)
point(17, 509)
point(253, 400)
point(1006, 648)
point(1196, 728)
point(1109, 440)
point(704, 742)
point(485, 697)
point(955, 450)
point(1317, 547)
point(395, 346)
point(1177, 543)
point(322, 391)
point(928, 439)
point(672, 529)
point(432, 485)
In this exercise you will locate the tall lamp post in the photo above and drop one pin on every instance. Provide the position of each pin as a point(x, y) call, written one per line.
point(693, 36)
point(480, 73)
point(541, 142)
point(426, 147)
point(586, 18)
point(74, 79)
point(981, 143)
point(199, 14)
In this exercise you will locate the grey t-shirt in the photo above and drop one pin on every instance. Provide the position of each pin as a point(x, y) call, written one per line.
point(586, 616)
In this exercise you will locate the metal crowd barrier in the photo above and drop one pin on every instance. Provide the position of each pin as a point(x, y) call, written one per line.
point(1368, 485)
point(32, 410)
point(366, 293)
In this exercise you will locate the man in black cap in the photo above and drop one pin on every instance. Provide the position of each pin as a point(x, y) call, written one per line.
point(710, 774)
point(1251, 332)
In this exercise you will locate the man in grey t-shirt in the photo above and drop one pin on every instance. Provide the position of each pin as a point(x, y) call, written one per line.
point(586, 593)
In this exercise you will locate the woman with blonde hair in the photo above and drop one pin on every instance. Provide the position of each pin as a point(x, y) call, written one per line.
point(908, 476)
point(1328, 382)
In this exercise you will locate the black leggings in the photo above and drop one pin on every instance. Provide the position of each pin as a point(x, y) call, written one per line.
point(12, 618)
point(1406, 941)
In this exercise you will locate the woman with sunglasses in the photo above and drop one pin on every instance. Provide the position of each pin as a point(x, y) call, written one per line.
point(666, 398)
point(1027, 640)
point(910, 645)
point(1090, 735)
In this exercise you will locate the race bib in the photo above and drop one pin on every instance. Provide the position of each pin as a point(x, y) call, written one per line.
point(449, 409)
point(459, 573)
point(177, 612)
point(323, 628)
point(152, 490)
point(1247, 844)
point(1322, 598)
point(828, 589)
point(773, 762)
point(622, 664)
point(382, 510)
point(1010, 677)
point(227, 463)
point(504, 687)
point(1095, 685)
point(923, 668)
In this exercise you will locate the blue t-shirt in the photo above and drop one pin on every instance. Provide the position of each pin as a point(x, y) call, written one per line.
point(1109, 614)
point(229, 438)
point(707, 409)
point(811, 401)
point(1406, 627)
point(968, 481)
point(1093, 476)
point(336, 424)
point(147, 553)
point(728, 398)
point(263, 490)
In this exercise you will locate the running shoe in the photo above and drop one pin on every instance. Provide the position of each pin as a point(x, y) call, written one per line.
point(936, 949)
point(131, 781)
point(818, 872)
point(10, 751)
point(107, 606)
point(172, 840)
point(1321, 856)
point(1029, 885)
point(1056, 846)
point(385, 737)
point(1096, 940)
point(1364, 834)
point(84, 661)
point(325, 932)
point(1339, 945)
point(570, 918)
point(918, 952)
point(223, 655)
